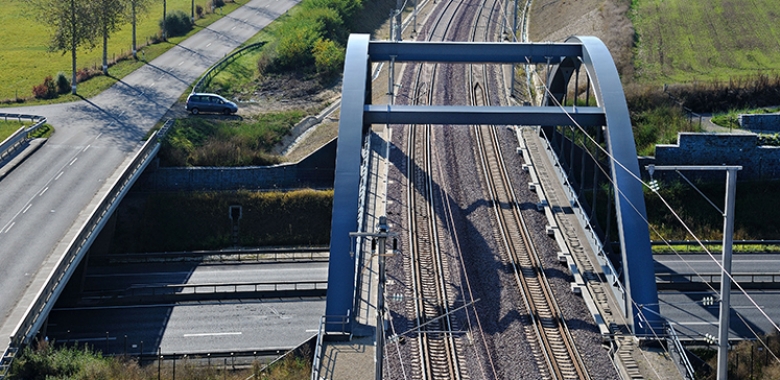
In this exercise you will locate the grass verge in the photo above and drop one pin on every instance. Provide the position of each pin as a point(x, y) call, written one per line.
point(26, 60)
point(9, 127)
point(219, 141)
point(730, 119)
point(47, 362)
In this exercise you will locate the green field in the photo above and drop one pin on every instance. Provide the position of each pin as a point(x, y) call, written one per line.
point(682, 41)
point(24, 54)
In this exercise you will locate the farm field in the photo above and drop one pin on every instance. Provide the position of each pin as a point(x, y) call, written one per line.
point(24, 54)
point(682, 41)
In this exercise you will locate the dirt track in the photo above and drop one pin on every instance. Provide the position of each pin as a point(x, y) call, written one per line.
point(555, 20)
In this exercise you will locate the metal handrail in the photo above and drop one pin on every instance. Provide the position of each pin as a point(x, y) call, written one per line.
point(36, 313)
point(321, 332)
point(224, 62)
point(672, 334)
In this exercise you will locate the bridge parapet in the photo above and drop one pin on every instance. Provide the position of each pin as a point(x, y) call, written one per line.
point(31, 318)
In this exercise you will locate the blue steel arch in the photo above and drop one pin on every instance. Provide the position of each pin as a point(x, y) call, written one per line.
point(357, 114)
point(639, 282)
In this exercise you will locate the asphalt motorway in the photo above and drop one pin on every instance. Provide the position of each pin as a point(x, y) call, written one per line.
point(51, 193)
point(192, 328)
point(129, 275)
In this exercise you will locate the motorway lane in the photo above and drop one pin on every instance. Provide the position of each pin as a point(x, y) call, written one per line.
point(93, 139)
point(701, 263)
point(125, 276)
point(191, 328)
point(692, 320)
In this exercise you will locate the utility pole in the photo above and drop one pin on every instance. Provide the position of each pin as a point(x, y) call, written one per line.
point(398, 19)
point(728, 240)
point(379, 240)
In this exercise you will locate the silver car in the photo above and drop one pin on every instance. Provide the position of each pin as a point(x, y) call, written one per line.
point(201, 102)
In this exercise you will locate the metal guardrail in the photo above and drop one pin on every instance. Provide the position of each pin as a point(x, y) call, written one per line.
point(706, 282)
point(715, 277)
point(344, 321)
point(227, 255)
point(11, 143)
point(206, 78)
point(36, 314)
point(215, 288)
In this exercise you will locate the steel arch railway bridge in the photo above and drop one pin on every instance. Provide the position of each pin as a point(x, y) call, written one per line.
point(608, 120)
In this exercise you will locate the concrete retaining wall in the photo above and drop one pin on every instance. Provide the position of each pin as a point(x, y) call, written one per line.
point(758, 162)
point(315, 171)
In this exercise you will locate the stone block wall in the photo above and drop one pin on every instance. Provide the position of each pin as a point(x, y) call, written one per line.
point(758, 162)
point(760, 122)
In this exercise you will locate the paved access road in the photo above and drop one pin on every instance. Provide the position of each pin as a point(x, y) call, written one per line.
point(46, 198)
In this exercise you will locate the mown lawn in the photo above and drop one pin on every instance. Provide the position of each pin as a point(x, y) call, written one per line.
point(26, 61)
point(682, 41)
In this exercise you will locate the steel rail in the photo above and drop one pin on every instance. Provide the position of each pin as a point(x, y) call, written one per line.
point(560, 358)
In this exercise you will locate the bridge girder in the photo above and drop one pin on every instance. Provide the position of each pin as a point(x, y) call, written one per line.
point(357, 114)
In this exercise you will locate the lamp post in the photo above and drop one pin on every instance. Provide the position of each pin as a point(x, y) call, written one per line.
point(725, 282)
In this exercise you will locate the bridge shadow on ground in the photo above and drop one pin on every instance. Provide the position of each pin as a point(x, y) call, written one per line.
point(106, 307)
point(484, 274)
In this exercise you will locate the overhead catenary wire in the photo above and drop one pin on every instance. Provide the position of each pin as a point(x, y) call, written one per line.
point(667, 205)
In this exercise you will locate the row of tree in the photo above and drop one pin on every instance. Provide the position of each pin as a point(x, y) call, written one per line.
point(82, 23)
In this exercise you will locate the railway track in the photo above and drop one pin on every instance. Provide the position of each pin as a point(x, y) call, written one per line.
point(438, 350)
point(556, 355)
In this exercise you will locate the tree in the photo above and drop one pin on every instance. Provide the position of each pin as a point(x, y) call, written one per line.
point(72, 25)
point(110, 14)
point(136, 7)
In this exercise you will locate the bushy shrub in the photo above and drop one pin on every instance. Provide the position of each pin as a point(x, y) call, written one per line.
point(87, 73)
point(199, 10)
point(217, 3)
point(294, 48)
point(176, 23)
point(328, 57)
point(63, 84)
point(46, 90)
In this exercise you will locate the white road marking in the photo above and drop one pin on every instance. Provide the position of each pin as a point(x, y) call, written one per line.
point(180, 63)
point(93, 339)
point(43, 191)
point(59, 175)
point(9, 227)
point(233, 28)
point(87, 147)
point(27, 208)
point(73, 162)
point(208, 44)
point(212, 334)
